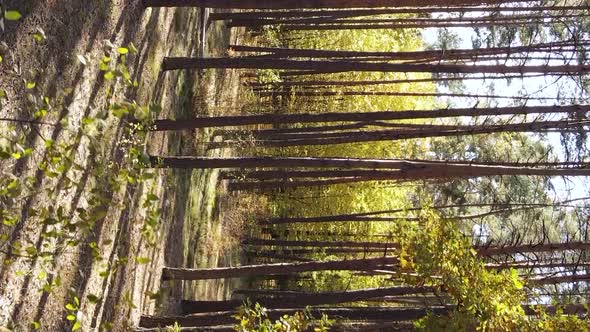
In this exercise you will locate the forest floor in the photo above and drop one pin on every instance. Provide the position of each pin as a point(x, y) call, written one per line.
point(112, 275)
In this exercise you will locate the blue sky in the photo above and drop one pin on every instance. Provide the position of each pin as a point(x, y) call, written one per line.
point(574, 187)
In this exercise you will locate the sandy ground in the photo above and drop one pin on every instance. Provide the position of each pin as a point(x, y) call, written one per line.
point(114, 290)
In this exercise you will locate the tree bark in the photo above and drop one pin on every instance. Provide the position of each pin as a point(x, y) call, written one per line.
point(394, 94)
point(320, 244)
point(389, 314)
point(350, 313)
point(408, 170)
point(299, 4)
point(302, 300)
point(345, 217)
point(296, 254)
point(535, 265)
point(241, 120)
point(420, 22)
point(343, 137)
point(327, 83)
point(175, 63)
point(335, 13)
point(527, 248)
point(170, 273)
point(425, 25)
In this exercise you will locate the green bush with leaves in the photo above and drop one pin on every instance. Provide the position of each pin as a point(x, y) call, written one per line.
point(485, 300)
point(254, 318)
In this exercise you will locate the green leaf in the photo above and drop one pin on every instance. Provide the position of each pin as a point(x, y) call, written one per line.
point(104, 66)
point(39, 35)
point(1, 59)
point(13, 184)
point(12, 15)
point(35, 325)
point(123, 50)
point(9, 221)
point(47, 288)
point(109, 76)
point(87, 121)
point(71, 307)
point(142, 260)
point(71, 317)
point(31, 250)
point(31, 85)
point(76, 326)
point(93, 298)
point(40, 113)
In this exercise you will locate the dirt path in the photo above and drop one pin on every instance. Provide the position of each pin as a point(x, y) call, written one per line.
point(111, 275)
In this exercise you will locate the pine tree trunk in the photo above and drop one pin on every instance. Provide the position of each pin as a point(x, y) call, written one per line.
point(298, 4)
point(241, 120)
point(324, 94)
point(528, 248)
point(341, 13)
point(413, 22)
point(351, 313)
point(326, 83)
point(170, 273)
point(408, 169)
point(450, 54)
point(385, 314)
point(174, 63)
point(319, 244)
point(342, 137)
point(302, 300)
point(386, 26)
point(563, 279)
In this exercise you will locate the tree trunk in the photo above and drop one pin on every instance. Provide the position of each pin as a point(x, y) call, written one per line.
point(241, 120)
point(296, 254)
point(302, 300)
point(558, 280)
point(535, 265)
point(170, 273)
point(349, 313)
point(425, 25)
point(326, 83)
point(343, 137)
point(319, 244)
point(387, 11)
point(407, 169)
point(357, 218)
point(272, 185)
point(389, 314)
point(299, 4)
point(417, 22)
point(527, 248)
point(394, 94)
point(174, 63)
point(346, 217)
